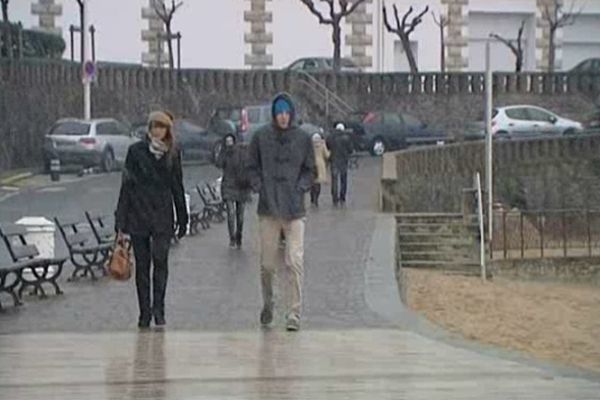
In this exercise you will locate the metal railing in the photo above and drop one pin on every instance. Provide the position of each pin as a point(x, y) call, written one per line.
point(325, 95)
point(547, 233)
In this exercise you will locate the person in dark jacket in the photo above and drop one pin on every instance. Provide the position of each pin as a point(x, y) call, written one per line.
point(235, 189)
point(281, 168)
point(152, 183)
point(341, 148)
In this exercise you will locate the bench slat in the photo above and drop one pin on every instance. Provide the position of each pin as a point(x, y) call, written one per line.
point(21, 252)
point(77, 238)
point(10, 230)
point(69, 222)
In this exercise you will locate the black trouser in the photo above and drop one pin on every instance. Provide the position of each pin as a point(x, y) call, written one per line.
point(235, 219)
point(315, 192)
point(154, 250)
point(339, 183)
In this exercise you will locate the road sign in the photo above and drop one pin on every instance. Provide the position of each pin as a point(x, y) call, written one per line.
point(89, 71)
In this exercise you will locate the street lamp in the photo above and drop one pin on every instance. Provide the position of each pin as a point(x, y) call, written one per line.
point(87, 72)
point(488, 135)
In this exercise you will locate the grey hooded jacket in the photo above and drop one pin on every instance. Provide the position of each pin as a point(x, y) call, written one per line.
point(281, 168)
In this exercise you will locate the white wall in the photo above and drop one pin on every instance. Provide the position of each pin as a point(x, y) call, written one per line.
point(581, 40)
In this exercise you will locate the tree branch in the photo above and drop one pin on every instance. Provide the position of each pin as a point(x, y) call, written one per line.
point(311, 7)
point(507, 42)
point(387, 22)
point(416, 21)
point(405, 18)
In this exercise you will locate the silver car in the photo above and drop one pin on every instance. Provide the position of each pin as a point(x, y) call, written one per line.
point(96, 143)
point(526, 120)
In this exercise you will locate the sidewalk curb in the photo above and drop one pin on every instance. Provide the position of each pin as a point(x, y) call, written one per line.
point(11, 180)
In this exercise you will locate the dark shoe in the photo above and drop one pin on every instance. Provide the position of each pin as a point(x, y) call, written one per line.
point(293, 324)
point(266, 315)
point(159, 321)
point(238, 241)
point(233, 243)
point(144, 323)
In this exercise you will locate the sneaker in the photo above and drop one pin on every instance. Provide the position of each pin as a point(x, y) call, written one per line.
point(293, 324)
point(144, 323)
point(266, 315)
point(238, 242)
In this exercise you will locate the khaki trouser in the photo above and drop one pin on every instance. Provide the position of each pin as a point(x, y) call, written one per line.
point(294, 259)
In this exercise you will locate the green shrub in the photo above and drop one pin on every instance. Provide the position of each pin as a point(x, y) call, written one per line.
point(36, 44)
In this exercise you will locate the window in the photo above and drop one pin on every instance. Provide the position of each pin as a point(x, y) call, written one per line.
point(297, 66)
point(539, 115)
point(310, 64)
point(122, 130)
point(392, 119)
point(71, 129)
point(517, 113)
point(254, 115)
point(411, 121)
point(106, 129)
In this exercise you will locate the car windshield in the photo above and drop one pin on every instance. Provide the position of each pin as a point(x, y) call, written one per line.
point(71, 129)
point(233, 114)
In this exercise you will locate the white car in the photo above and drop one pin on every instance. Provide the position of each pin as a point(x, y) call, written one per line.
point(524, 120)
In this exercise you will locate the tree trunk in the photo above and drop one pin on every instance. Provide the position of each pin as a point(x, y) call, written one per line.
point(8, 43)
point(170, 47)
point(519, 63)
point(409, 55)
point(337, 46)
point(443, 43)
point(551, 51)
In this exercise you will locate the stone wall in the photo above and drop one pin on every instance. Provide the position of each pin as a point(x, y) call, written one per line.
point(33, 95)
point(550, 173)
point(584, 270)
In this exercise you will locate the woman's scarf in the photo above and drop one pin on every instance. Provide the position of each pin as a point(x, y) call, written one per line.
point(158, 148)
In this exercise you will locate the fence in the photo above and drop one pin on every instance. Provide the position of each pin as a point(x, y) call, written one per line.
point(548, 233)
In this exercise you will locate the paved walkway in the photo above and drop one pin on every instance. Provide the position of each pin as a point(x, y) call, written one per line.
point(357, 338)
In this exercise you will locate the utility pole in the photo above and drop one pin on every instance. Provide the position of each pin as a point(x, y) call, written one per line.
point(488, 136)
point(87, 80)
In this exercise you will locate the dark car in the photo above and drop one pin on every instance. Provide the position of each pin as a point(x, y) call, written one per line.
point(322, 64)
point(195, 142)
point(589, 66)
point(378, 132)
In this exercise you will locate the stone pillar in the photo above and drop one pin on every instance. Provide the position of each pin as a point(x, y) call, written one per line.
point(542, 37)
point(457, 36)
point(156, 53)
point(47, 11)
point(258, 38)
point(360, 40)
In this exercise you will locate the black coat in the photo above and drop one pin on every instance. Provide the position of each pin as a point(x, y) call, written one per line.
point(281, 168)
point(341, 147)
point(235, 185)
point(149, 189)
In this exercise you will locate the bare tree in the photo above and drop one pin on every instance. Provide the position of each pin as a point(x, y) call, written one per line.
point(442, 22)
point(81, 27)
point(166, 15)
point(557, 18)
point(7, 32)
point(516, 46)
point(346, 8)
point(404, 30)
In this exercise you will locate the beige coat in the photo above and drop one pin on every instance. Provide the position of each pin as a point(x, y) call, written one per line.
point(321, 157)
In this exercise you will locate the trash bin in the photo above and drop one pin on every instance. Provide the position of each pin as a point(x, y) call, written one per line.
point(40, 232)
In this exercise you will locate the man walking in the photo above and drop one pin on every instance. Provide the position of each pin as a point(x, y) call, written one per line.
point(281, 167)
point(341, 148)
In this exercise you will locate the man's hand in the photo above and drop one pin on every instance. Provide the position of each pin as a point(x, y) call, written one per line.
point(181, 230)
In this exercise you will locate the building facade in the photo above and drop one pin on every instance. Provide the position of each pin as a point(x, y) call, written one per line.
point(240, 34)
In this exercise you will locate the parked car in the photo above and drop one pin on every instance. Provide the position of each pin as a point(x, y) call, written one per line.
point(96, 143)
point(194, 142)
point(527, 121)
point(591, 65)
point(247, 119)
point(378, 132)
point(322, 64)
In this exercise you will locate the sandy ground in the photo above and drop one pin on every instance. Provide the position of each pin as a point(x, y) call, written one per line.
point(551, 321)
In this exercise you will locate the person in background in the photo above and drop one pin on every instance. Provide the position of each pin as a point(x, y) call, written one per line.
point(235, 189)
point(281, 166)
point(341, 147)
point(152, 181)
point(321, 158)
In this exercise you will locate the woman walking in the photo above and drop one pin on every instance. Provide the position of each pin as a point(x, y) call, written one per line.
point(321, 157)
point(152, 182)
point(235, 188)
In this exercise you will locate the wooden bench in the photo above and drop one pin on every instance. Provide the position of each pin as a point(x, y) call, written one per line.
point(85, 255)
point(198, 216)
point(35, 271)
point(11, 278)
point(103, 231)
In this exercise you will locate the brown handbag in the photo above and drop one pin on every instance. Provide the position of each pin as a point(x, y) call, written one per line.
point(120, 263)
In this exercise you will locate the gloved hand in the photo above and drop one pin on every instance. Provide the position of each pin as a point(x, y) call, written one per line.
point(181, 230)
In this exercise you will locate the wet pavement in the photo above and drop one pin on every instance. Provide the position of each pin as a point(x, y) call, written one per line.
point(357, 339)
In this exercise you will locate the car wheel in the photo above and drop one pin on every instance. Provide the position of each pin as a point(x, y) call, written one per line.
point(108, 161)
point(378, 147)
point(569, 131)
